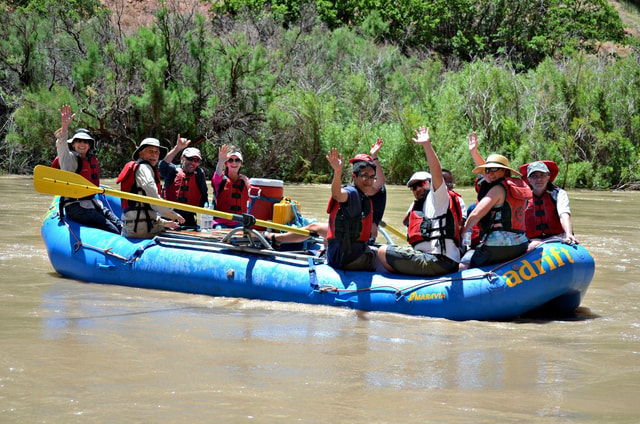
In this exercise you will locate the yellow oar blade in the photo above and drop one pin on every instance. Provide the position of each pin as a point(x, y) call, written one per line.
point(48, 181)
point(54, 181)
point(393, 230)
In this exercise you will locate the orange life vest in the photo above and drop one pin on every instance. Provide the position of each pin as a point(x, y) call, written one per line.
point(127, 181)
point(510, 216)
point(541, 216)
point(447, 225)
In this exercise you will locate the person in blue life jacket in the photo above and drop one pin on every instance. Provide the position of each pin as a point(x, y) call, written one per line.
point(548, 213)
point(141, 176)
point(379, 200)
point(77, 154)
point(499, 210)
point(433, 227)
point(185, 183)
point(351, 215)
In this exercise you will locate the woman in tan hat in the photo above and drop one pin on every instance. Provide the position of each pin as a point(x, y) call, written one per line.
point(141, 176)
point(499, 210)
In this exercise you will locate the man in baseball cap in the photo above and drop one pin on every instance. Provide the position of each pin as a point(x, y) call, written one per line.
point(548, 213)
point(184, 183)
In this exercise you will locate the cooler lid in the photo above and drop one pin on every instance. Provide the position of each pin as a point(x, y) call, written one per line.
point(265, 182)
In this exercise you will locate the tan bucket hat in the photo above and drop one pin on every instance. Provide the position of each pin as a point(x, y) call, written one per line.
point(494, 161)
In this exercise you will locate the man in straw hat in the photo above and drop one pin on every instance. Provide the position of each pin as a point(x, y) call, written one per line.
point(548, 213)
point(184, 183)
point(141, 176)
point(433, 227)
point(77, 154)
point(499, 209)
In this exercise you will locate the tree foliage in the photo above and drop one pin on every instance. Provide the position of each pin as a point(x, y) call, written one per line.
point(290, 82)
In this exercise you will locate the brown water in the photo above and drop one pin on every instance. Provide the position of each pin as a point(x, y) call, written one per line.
point(75, 352)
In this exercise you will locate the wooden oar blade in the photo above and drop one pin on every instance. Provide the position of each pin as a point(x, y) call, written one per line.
point(54, 181)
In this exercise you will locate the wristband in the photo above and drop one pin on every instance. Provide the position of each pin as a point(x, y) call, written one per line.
point(375, 159)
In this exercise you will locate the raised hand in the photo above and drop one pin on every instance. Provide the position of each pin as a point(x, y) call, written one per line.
point(376, 148)
point(66, 116)
point(223, 151)
point(182, 142)
point(335, 160)
point(422, 135)
point(473, 143)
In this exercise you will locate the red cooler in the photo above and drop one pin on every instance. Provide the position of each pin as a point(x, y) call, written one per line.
point(263, 195)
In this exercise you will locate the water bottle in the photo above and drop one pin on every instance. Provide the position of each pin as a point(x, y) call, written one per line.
point(466, 240)
point(206, 220)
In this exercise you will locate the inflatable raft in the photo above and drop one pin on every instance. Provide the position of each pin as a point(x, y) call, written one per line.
point(554, 276)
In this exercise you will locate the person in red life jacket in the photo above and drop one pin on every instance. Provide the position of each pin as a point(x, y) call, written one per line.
point(499, 210)
point(77, 155)
point(141, 176)
point(449, 180)
point(351, 213)
point(230, 187)
point(184, 183)
point(434, 232)
point(548, 213)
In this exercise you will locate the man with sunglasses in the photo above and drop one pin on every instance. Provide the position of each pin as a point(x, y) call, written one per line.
point(77, 154)
point(184, 183)
point(433, 227)
point(351, 214)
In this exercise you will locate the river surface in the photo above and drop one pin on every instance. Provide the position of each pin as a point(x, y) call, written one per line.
point(73, 352)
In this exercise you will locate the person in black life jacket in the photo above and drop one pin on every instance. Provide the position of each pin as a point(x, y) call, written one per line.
point(548, 212)
point(499, 209)
point(230, 187)
point(141, 176)
point(77, 155)
point(351, 216)
point(379, 200)
point(433, 229)
point(184, 183)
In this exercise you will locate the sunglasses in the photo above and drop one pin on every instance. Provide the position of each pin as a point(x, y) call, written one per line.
point(490, 170)
point(231, 160)
point(367, 177)
point(417, 184)
point(193, 159)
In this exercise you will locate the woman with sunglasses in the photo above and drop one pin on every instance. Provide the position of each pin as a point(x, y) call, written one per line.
point(77, 155)
point(499, 210)
point(184, 183)
point(230, 187)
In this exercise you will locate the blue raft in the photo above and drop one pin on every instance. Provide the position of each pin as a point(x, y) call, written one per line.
point(553, 277)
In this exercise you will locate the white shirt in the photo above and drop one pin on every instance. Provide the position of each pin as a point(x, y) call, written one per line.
point(436, 204)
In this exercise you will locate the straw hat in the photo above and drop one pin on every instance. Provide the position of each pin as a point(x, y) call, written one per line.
point(154, 142)
point(494, 161)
